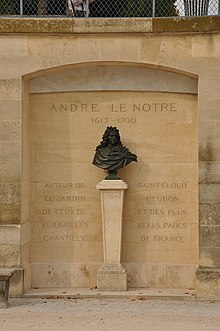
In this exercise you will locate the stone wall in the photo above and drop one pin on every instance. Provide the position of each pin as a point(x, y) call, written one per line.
point(32, 49)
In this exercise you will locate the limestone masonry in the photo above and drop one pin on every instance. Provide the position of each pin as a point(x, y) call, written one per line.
point(62, 82)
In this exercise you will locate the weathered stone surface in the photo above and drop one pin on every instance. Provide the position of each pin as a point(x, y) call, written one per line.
point(209, 172)
point(186, 24)
point(210, 257)
point(209, 213)
point(10, 201)
point(16, 284)
point(209, 193)
point(160, 275)
point(208, 283)
point(10, 245)
point(112, 278)
point(209, 236)
point(71, 25)
point(100, 25)
point(209, 151)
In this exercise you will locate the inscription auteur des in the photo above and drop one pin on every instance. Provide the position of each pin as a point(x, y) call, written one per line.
point(159, 218)
point(62, 223)
point(64, 185)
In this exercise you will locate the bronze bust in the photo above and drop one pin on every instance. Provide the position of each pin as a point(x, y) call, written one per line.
point(111, 155)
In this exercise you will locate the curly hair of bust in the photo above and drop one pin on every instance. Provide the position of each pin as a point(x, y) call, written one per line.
point(105, 137)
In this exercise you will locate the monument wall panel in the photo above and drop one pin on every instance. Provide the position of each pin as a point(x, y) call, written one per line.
point(160, 218)
point(178, 56)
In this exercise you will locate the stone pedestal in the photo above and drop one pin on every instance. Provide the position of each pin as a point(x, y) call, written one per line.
point(112, 276)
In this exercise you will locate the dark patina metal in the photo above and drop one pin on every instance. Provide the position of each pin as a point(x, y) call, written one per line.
point(111, 155)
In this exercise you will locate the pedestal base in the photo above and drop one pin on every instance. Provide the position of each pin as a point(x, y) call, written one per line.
point(112, 278)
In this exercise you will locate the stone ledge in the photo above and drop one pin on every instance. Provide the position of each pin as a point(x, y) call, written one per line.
point(132, 294)
point(187, 24)
point(109, 25)
point(75, 26)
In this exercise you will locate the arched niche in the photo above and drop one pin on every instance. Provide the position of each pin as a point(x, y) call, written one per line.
point(66, 111)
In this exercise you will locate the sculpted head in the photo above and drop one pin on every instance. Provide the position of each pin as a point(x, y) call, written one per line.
point(110, 137)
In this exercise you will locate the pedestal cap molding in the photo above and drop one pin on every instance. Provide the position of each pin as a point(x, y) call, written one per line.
point(112, 185)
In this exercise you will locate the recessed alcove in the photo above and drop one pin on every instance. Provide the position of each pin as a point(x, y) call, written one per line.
point(66, 111)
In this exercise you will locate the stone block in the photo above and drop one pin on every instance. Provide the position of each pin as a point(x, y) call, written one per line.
point(58, 275)
point(16, 284)
point(208, 283)
point(209, 172)
point(10, 213)
point(206, 131)
point(210, 257)
point(158, 275)
point(13, 46)
point(217, 131)
point(10, 89)
point(209, 151)
point(10, 112)
point(209, 107)
point(168, 51)
point(9, 255)
point(201, 47)
point(181, 276)
point(209, 193)
point(209, 236)
point(10, 245)
point(112, 278)
point(209, 213)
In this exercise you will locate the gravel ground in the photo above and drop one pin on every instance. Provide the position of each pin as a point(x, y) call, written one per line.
point(109, 314)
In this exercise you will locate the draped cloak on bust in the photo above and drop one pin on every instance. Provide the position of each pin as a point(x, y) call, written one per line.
point(113, 157)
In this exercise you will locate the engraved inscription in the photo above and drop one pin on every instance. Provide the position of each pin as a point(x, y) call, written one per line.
point(68, 185)
point(169, 212)
point(62, 238)
point(64, 225)
point(118, 120)
point(163, 185)
point(73, 198)
point(164, 225)
point(63, 211)
point(156, 107)
point(158, 220)
point(163, 198)
point(163, 239)
point(160, 213)
point(73, 107)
